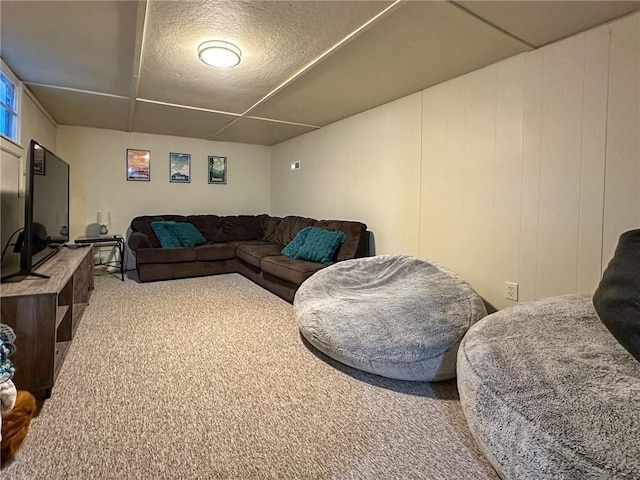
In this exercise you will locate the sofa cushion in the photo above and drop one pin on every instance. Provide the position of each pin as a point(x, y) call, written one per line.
point(237, 243)
point(354, 232)
point(215, 251)
point(320, 246)
point(208, 225)
point(166, 255)
point(293, 271)
point(138, 240)
point(165, 234)
point(268, 227)
point(241, 227)
point(188, 235)
point(253, 254)
point(289, 228)
point(617, 299)
point(143, 225)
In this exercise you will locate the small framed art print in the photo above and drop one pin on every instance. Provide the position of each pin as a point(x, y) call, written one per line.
point(179, 167)
point(217, 170)
point(138, 165)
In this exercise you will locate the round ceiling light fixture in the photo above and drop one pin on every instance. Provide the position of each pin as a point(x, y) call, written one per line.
point(218, 53)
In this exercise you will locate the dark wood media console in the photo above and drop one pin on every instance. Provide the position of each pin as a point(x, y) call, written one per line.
point(44, 314)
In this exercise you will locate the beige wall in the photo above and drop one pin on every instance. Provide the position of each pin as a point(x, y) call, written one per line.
point(98, 178)
point(34, 124)
point(524, 171)
point(363, 168)
point(622, 186)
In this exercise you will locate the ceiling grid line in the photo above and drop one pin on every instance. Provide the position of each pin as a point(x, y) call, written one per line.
point(76, 90)
point(186, 107)
point(132, 65)
point(285, 122)
point(492, 25)
point(313, 63)
point(141, 22)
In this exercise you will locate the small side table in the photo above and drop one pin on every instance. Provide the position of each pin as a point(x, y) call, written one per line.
point(115, 242)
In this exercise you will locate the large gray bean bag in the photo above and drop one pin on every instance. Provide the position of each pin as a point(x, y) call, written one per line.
point(549, 393)
point(393, 315)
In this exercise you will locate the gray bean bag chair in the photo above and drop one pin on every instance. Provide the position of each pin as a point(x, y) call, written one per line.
point(617, 299)
point(393, 315)
point(549, 393)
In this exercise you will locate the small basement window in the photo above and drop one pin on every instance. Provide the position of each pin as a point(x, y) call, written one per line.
point(8, 107)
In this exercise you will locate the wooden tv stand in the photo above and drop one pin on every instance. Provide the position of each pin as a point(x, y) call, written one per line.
point(44, 314)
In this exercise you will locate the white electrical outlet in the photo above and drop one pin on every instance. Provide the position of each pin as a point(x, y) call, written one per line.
point(511, 291)
point(295, 165)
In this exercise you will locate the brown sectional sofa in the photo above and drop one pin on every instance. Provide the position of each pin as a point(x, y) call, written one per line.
point(247, 244)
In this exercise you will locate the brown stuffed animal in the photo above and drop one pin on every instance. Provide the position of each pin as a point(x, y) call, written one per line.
point(15, 425)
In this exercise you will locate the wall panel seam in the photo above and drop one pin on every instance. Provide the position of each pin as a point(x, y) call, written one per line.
point(522, 169)
point(493, 162)
point(606, 154)
point(584, 80)
point(421, 157)
point(540, 150)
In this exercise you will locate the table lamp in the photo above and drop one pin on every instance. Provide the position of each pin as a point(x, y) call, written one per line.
point(104, 219)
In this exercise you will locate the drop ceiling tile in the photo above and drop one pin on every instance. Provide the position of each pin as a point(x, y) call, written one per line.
point(276, 38)
point(83, 45)
point(91, 46)
point(542, 22)
point(261, 132)
point(418, 45)
point(182, 122)
point(69, 107)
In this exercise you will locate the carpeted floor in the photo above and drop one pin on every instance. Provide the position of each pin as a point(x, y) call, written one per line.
point(208, 378)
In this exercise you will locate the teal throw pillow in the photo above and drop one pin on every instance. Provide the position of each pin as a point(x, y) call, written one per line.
point(291, 250)
point(321, 245)
point(187, 233)
point(165, 234)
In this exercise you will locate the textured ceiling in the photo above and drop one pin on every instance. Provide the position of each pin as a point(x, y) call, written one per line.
point(133, 65)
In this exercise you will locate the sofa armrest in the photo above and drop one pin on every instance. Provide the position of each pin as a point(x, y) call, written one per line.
point(364, 246)
point(138, 240)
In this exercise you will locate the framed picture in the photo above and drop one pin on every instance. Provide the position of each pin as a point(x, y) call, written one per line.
point(179, 167)
point(138, 165)
point(218, 170)
point(38, 161)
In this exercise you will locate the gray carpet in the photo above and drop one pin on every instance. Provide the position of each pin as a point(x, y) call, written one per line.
point(208, 378)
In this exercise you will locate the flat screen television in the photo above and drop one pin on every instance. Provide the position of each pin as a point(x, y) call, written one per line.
point(46, 212)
